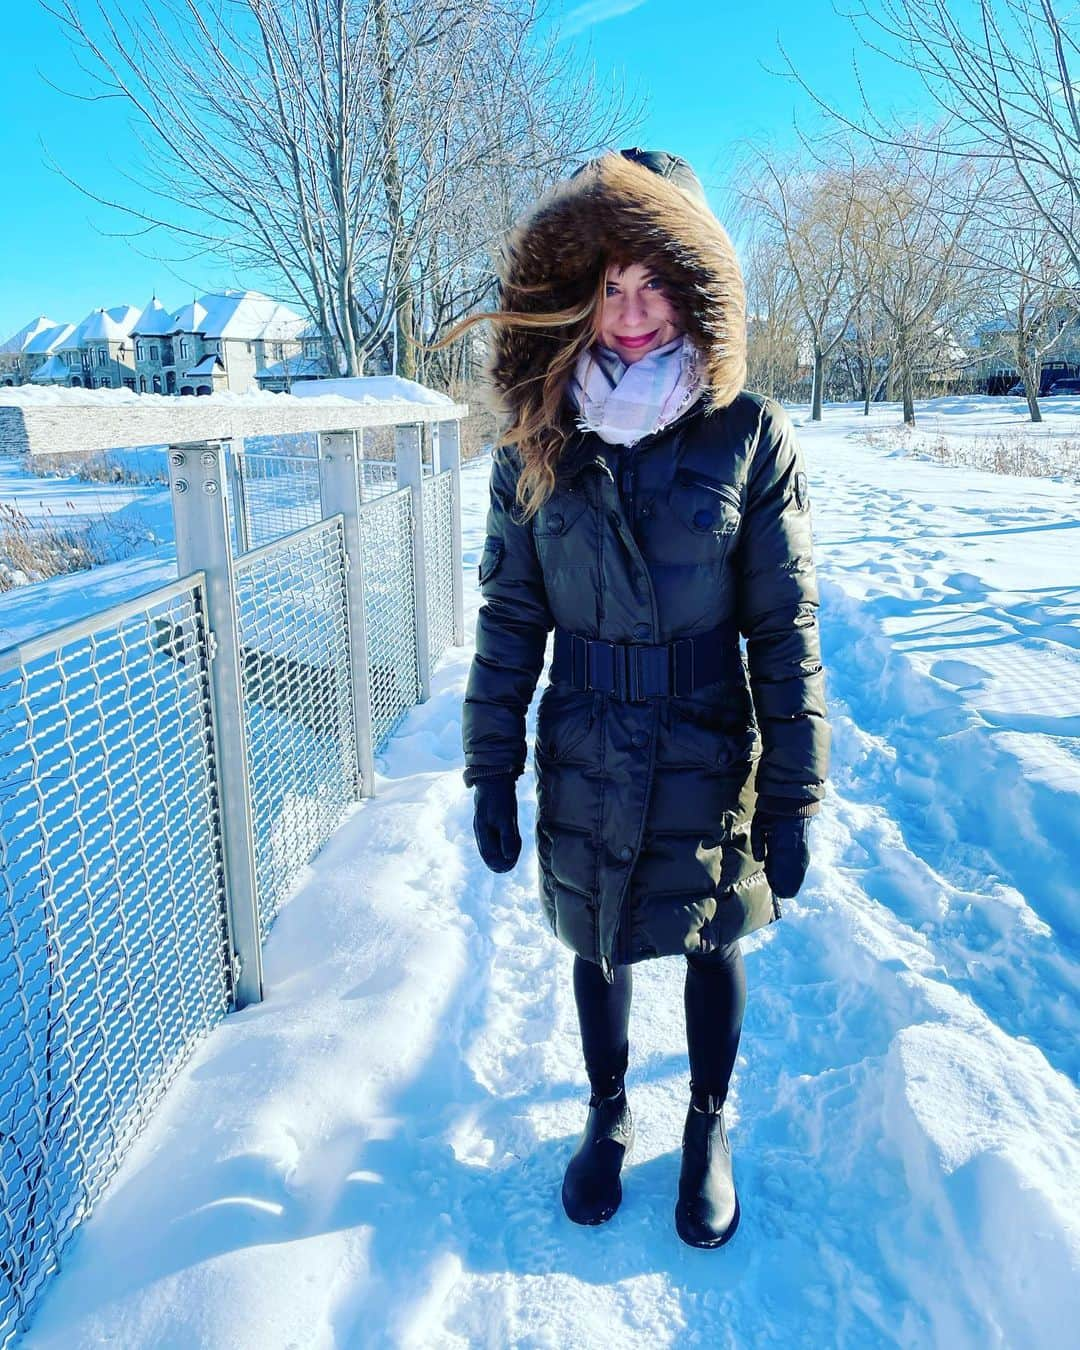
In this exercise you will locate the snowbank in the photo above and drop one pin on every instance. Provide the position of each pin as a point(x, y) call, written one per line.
point(373, 1156)
point(362, 389)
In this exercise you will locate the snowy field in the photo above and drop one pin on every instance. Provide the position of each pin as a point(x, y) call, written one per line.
point(372, 1157)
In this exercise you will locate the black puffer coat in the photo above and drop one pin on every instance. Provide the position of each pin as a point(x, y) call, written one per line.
point(644, 808)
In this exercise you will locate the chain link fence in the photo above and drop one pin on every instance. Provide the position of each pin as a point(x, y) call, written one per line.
point(386, 526)
point(302, 763)
point(273, 493)
point(113, 953)
point(167, 769)
point(438, 498)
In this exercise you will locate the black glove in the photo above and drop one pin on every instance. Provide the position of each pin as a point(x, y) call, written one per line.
point(782, 842)
point(495, 822)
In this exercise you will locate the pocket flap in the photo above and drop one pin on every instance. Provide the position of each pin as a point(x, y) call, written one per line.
point(492, 556)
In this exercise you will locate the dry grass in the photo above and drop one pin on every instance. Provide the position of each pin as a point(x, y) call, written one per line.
point(32, 552)
point(1011, 452)
point(95, 466)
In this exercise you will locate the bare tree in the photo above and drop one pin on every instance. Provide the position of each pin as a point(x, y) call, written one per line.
point(320, 143)
point(1004, 73)
point(918, 215)
point(811, 214)
point(1032, 305)
point(773, 319)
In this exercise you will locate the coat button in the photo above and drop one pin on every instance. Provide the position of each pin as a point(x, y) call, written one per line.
point(626, 853)
point(642, 630)
point(703, 519)
point(640, 738)
point(556, 522)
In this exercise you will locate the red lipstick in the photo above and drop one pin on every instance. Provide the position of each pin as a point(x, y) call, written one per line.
point(642, 341)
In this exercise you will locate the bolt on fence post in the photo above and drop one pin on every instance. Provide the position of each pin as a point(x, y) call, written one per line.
point(448, 456)
point(410, 473)
point(197, 483)
point(340, 490)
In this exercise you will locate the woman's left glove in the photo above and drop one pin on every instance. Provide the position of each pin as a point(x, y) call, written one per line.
point(781, 840)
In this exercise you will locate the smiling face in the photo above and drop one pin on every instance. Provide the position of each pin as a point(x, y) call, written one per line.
point(636, 316)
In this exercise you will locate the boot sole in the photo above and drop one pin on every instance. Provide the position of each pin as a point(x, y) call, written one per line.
point(716, 1242)
point(604, 1218)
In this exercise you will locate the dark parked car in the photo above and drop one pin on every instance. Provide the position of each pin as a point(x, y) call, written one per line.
point(1050, 383)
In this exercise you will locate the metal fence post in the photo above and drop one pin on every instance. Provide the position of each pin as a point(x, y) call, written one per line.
point(237, 495)
point(448, 456)
point(197, 484)
point(340, 492)
point(410, 473)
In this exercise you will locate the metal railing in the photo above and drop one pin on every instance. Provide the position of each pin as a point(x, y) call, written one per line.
point(113, 949)
point(272, 492)
point(167, 769)
point(302, 763)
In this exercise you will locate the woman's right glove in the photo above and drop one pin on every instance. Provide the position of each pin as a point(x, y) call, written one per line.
point(781, 840)
point(495, 822)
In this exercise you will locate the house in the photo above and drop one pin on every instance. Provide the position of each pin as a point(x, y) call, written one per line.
point(98, 353)
point(312, 362)
point(31, 348)
point(223, 340)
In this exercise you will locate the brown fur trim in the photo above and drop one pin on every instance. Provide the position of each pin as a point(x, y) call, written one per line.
point(617, 209)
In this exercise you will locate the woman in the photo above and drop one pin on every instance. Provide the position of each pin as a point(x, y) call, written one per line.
point(649, 511)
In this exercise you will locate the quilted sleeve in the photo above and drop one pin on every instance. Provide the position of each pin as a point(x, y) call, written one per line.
point(511, 634)
point(777, 609)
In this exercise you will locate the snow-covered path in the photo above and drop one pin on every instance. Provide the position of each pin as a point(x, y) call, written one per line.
point(372, 1157)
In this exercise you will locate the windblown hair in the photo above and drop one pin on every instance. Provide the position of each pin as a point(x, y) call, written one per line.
point(539, 414)
point(552, 269)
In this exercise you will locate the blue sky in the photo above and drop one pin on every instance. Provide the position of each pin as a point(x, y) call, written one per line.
point(706, 77)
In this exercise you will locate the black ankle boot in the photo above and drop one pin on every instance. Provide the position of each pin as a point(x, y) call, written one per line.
point(707, 1212)
point(591, 1189)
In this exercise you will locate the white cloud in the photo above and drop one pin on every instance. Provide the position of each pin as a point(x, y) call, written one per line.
point(596, 11)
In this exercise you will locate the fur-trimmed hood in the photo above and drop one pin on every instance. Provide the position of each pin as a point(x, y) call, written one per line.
point(616, 207)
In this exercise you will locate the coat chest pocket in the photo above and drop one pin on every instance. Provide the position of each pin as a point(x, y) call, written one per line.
point(708, 507)
point(558, 516)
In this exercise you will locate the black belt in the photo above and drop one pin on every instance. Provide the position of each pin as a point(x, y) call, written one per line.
point(636, 671)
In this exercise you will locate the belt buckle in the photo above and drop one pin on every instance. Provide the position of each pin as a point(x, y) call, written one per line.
point(603, 662)
point(682, 667)
point(635, 676)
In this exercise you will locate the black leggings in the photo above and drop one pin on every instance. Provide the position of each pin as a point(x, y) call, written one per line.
point(714, 997)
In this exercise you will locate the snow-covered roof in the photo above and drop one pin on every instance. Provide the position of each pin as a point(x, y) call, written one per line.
point(49, 339)
point(19, 341)
point(55, 368)
point(205, 366)
point(187, 319)
point(104, 325)
point(154, 321)
point(250, 315)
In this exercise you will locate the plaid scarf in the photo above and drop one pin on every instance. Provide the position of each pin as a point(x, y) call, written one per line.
point(621, 402)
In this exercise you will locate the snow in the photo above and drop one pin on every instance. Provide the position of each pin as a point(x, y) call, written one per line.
point(154, 321)
point(336, 393)
point(50, 338)
point(373, 1155)
point(108, 325)
point(19, 341)
point(373, 388)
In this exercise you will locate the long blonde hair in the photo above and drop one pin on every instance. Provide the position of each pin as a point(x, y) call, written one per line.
point(538, 425)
